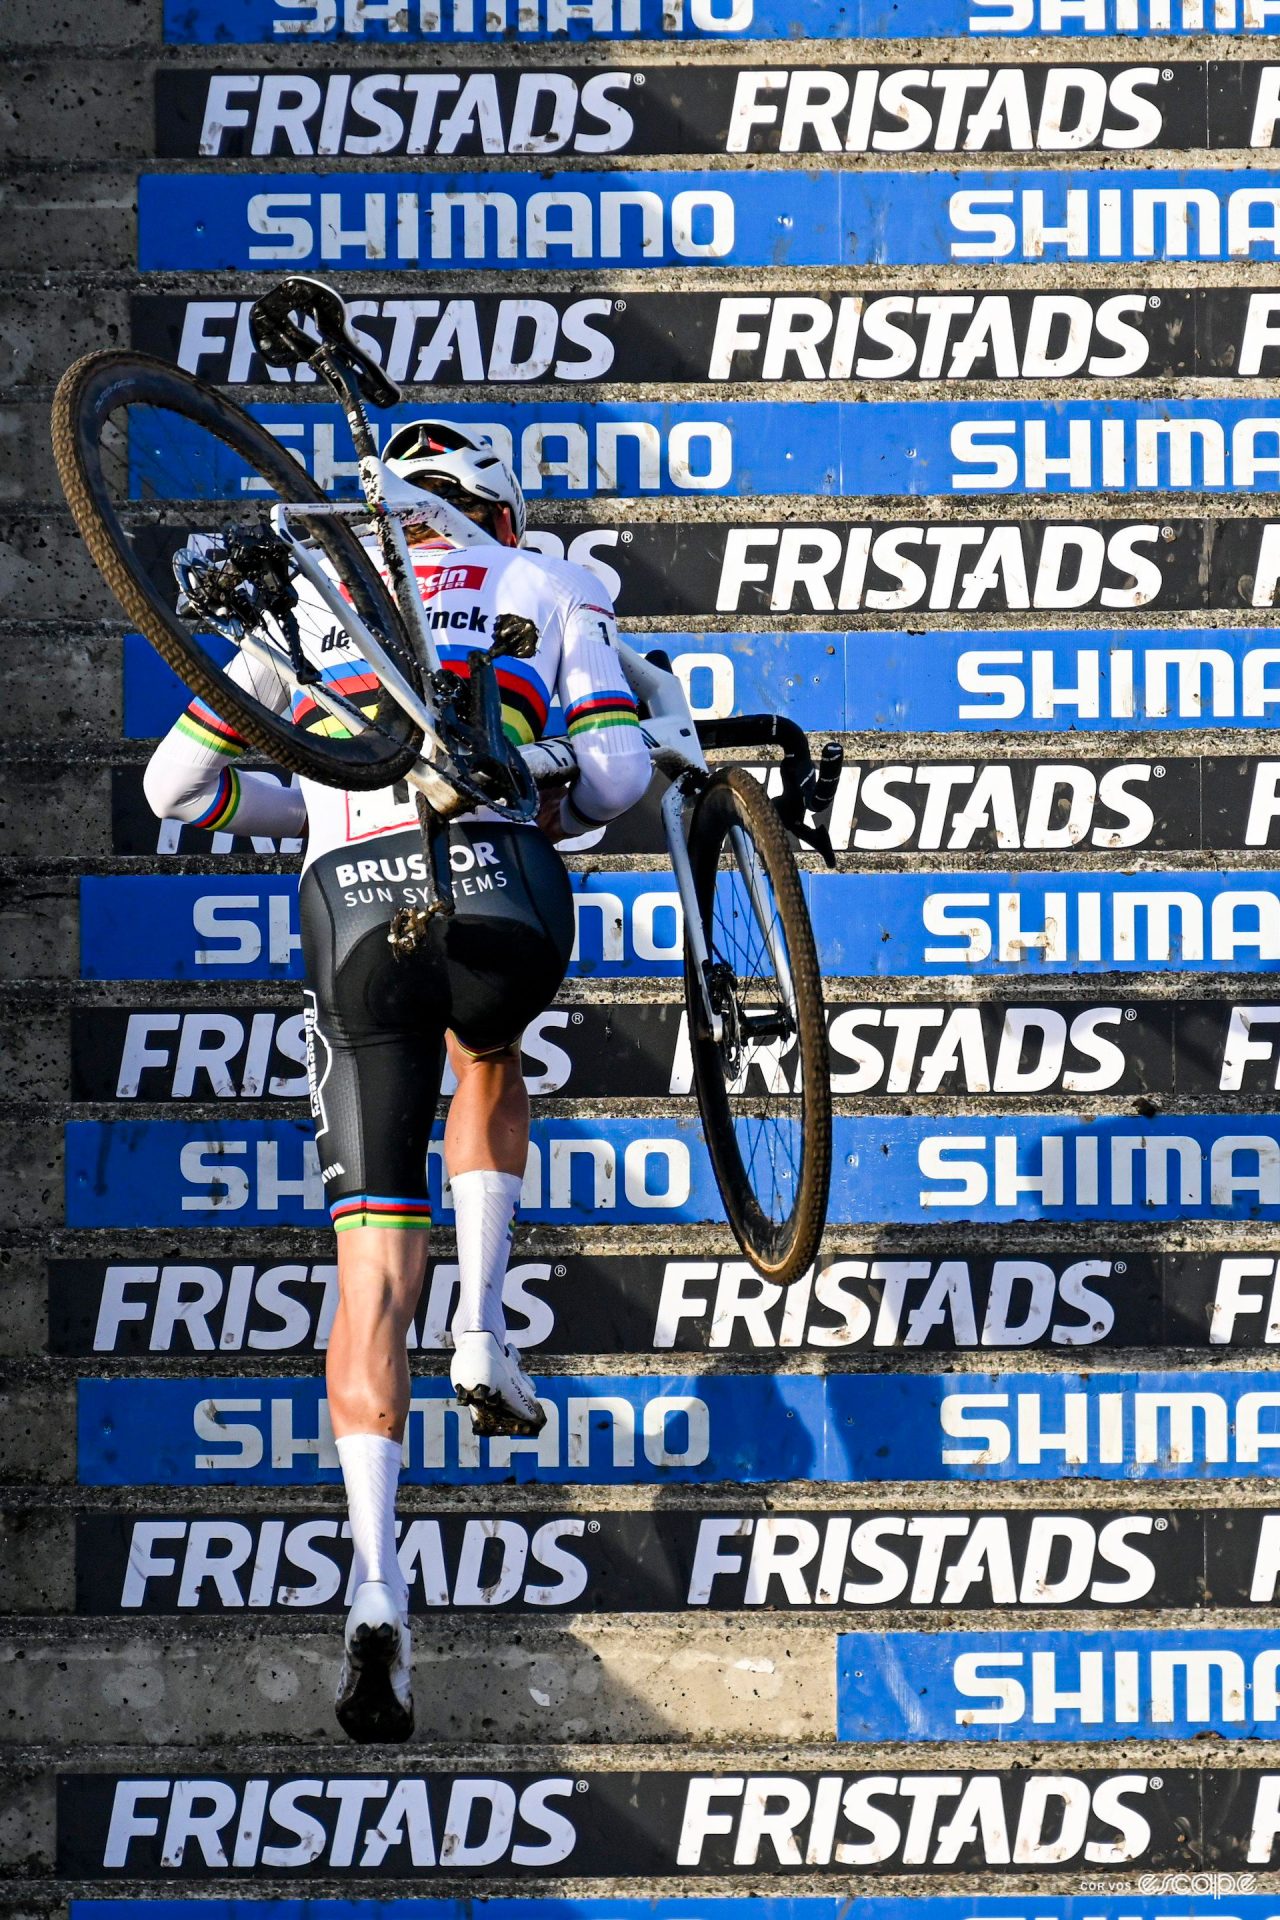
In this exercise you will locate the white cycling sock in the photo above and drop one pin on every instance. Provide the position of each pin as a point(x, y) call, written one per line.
point(371, 1470)
point(485, 1212)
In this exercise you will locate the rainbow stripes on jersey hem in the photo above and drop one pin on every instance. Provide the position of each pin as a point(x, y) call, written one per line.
point(611, 707)
point(351, 679)
point(201, 724)
point(380, 1210)
point(226, 800)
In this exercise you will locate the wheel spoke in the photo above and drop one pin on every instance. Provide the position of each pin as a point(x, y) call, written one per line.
point(748, 941)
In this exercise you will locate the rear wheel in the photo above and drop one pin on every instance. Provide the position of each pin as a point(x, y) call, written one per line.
point(763, 1084)
point(149, 456)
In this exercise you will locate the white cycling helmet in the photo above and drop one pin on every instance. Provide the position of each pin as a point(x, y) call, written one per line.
point(449, 460)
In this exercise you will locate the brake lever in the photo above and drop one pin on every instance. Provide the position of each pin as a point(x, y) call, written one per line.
point(818, 837)
point(810, 793)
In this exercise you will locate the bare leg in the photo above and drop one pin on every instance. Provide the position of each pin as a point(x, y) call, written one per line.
point(380, 1274)
point(486, 1144)
point(488, 1124)
point(380, 1270)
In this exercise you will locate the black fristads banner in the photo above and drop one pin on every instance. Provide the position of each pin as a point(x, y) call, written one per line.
point(1191, 1049)
point(467, 112)
point(663, 1562)
point(932, 567)
point(914, 567)
point(1161, 803)
point(640, 1050)
point(568, 1825)
point(460, 339)
point(1013, 1046)
point(869, 1298)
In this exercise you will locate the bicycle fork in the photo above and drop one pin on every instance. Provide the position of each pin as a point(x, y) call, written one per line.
point(673, 805)
point(409, 926)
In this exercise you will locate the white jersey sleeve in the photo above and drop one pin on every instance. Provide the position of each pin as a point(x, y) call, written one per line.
point(192, 775)
point(600, 714)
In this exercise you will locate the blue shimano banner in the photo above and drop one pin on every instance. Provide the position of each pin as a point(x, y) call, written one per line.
point(589, 1171)
point(212, 223)
point(580, 1172)
point(1008, 679)
point(576, 450)
point(1201, 1906)
point(245, 927)
point(415, 22)
point(799, 674)
point(1020, 681)
point(1057, 1167)
point(620, 1430)
point(1172, 1684)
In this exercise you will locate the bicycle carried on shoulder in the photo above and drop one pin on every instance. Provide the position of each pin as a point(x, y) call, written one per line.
point(282, 569)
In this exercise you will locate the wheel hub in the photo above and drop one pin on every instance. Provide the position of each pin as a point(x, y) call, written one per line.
point(722, 990)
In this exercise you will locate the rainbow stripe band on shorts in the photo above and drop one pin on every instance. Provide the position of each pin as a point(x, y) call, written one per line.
point(379, 1210)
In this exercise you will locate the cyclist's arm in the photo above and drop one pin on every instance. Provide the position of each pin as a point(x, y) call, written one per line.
point(192, 775)
point(601, 719)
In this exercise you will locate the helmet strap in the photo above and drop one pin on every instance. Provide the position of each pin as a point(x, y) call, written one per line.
point(503, 527)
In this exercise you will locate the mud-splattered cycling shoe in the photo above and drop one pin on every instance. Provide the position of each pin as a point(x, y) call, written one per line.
point(488, 1378)
point(375, 1691)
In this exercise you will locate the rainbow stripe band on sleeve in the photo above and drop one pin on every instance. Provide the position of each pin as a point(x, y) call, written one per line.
point(378, 1210)
point(201, 724)
point(227, 799)
point(611, 707)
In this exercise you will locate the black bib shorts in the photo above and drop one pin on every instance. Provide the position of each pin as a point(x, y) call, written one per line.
point(376, 1024)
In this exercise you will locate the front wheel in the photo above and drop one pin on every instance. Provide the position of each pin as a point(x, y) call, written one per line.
point(762, 1080)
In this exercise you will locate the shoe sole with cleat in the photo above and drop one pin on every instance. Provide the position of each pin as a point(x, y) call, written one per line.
point(367, 1707)
point(492, 1418)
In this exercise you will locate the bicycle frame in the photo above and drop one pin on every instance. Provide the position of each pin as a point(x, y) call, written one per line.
point(669, 729)
point(670, 732)
point(409, 604)
point(435, 764)
point(676, 751)
point(668, 726)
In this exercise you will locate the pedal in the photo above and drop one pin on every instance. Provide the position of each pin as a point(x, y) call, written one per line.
point(491, 1420)
point(409, 927)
